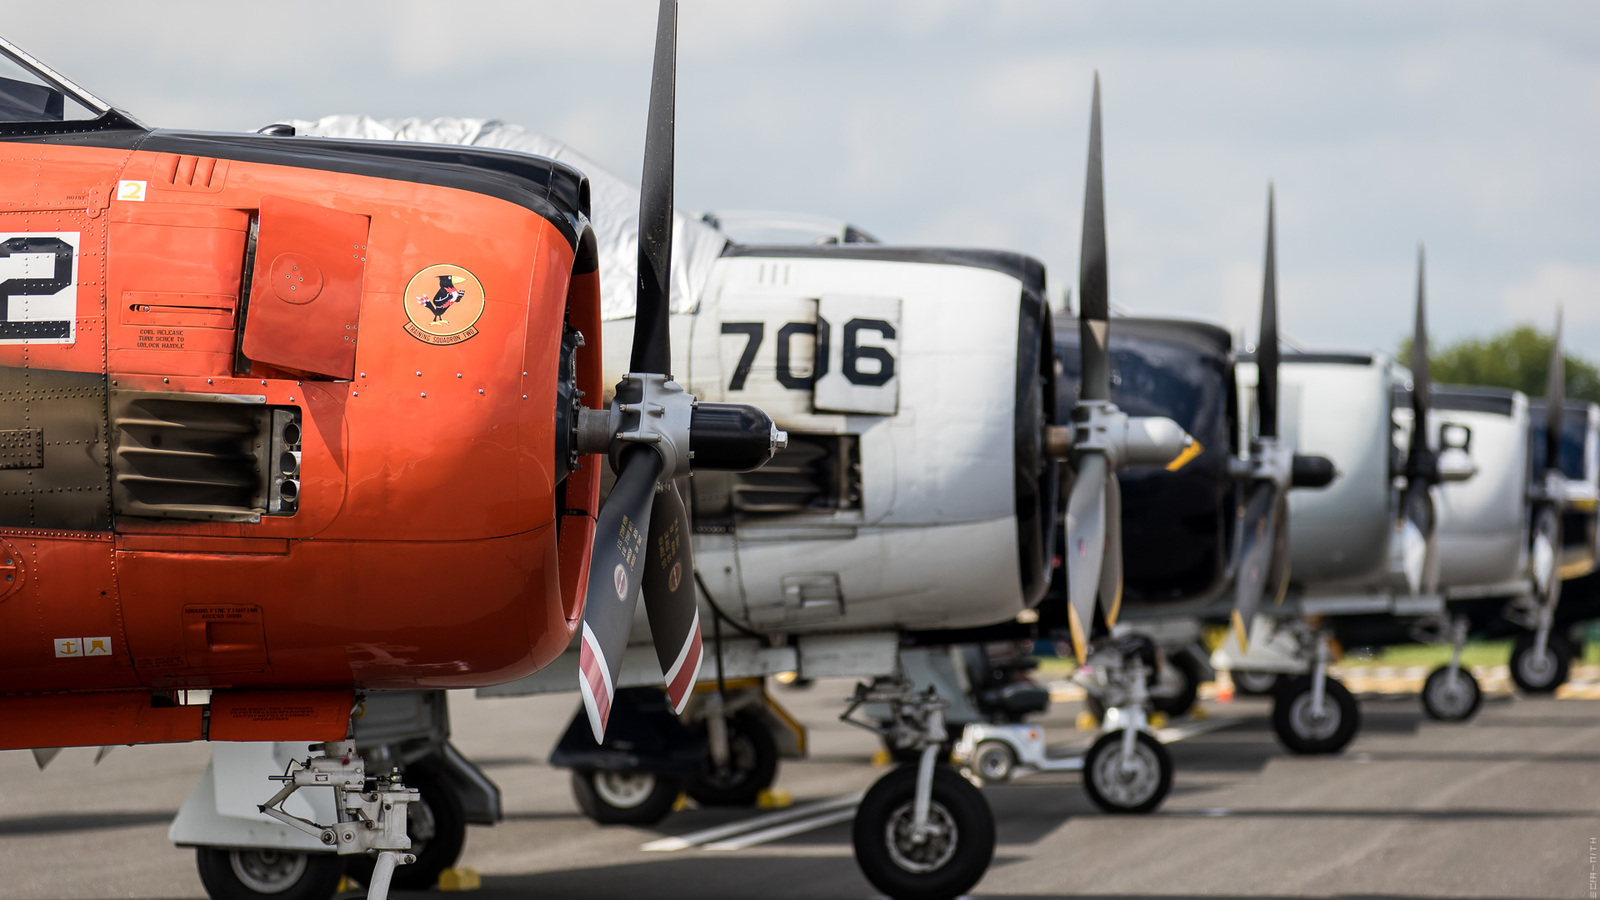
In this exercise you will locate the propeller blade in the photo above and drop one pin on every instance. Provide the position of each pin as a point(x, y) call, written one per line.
point(1257, 539)
point(1417, 547)
point(1093, 291)
point(102, 753)
point(1555, 401)
point(669, 596)
point(1279, 579)
point(1267, 344)
point(1547, 554)
point(1086, 542)
point(652, 345)
point(43, 755)
point(613, 589)
point(1111, 571)
point(1421, 383)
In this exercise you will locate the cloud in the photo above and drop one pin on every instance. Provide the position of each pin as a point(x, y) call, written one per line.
point(1575, 287)
point(1467, 124)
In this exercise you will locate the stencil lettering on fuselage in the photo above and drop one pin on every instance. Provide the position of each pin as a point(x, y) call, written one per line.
point(38, 287)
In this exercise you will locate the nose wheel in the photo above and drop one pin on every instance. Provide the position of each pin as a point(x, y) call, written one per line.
point(1127, 777)
point(1538, 672)
point(942, 858)
point(1451, 695)
point(1308, 724)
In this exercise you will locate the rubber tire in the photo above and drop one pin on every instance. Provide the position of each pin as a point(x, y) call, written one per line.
point(1111, 742)
point(1188, 694)
point(438, 853)
point(1564, 652)
point(650, 811)
point(747, 789)
point(1240, 685)
point(320, 881)
point(1435, 682)
point(975, 836)
point(1349, 716)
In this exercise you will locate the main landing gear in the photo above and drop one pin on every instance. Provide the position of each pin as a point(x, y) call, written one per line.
point(1126, 769)
point(1315, 713)
point(371, 819)
point(726, 755)
point(922, 832)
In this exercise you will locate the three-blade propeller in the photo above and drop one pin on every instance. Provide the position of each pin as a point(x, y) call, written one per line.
point(1103, 438)
point(652, 431)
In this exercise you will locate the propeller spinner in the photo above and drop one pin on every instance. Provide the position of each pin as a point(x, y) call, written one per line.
point(655, 432)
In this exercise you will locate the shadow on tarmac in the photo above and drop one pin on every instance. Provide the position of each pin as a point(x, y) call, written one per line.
point(67, 823)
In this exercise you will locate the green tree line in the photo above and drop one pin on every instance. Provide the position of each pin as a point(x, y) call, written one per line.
point(1518, 357)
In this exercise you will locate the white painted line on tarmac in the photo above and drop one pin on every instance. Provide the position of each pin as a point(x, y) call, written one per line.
point(776, 826)
point(1176, 733)
point(779, 832)
point(767, 822)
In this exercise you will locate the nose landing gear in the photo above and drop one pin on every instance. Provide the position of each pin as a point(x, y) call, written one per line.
point(922, 832)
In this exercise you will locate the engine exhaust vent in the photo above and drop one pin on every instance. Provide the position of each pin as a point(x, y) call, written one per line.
point(206, 457)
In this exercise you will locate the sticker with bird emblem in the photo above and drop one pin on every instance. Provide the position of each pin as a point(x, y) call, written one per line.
point(443, 303)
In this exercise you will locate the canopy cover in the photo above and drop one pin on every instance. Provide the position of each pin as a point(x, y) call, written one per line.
point(615, 201)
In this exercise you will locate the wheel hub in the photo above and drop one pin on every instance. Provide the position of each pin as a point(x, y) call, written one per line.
point(1451, 695)
point(1308, 724)
point(1127, 783)
point(994, 764)
point(1537, 668)
point(267, 871)
point(928, 850)
point(624, 790)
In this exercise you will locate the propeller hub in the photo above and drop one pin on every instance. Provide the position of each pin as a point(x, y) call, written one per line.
point(655, 410)
point(1100, 427)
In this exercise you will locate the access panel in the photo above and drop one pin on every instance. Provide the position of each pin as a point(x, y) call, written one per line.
point(305, 288)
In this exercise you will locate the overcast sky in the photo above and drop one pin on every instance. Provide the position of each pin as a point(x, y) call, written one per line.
point(1472, 126)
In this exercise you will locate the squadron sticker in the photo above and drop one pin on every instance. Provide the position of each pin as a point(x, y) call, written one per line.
point(443, 303)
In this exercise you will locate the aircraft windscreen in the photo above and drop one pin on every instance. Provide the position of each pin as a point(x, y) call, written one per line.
point(26, 97)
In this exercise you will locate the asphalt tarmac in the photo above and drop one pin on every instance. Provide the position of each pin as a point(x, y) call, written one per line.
point(1507, 805)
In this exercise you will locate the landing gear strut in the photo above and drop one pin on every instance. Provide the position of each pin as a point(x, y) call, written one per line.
point(922, 832)
point(1315, 714)
point(1451, 693)
point(1126, 770)
point(371, 812)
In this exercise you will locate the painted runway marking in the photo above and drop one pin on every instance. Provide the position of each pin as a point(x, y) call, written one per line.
point(779, 832)
point(768, 822)
point(787, 823)
point(1175, 733)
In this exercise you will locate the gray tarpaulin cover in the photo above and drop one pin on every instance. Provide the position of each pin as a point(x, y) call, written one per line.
point(615, 201)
